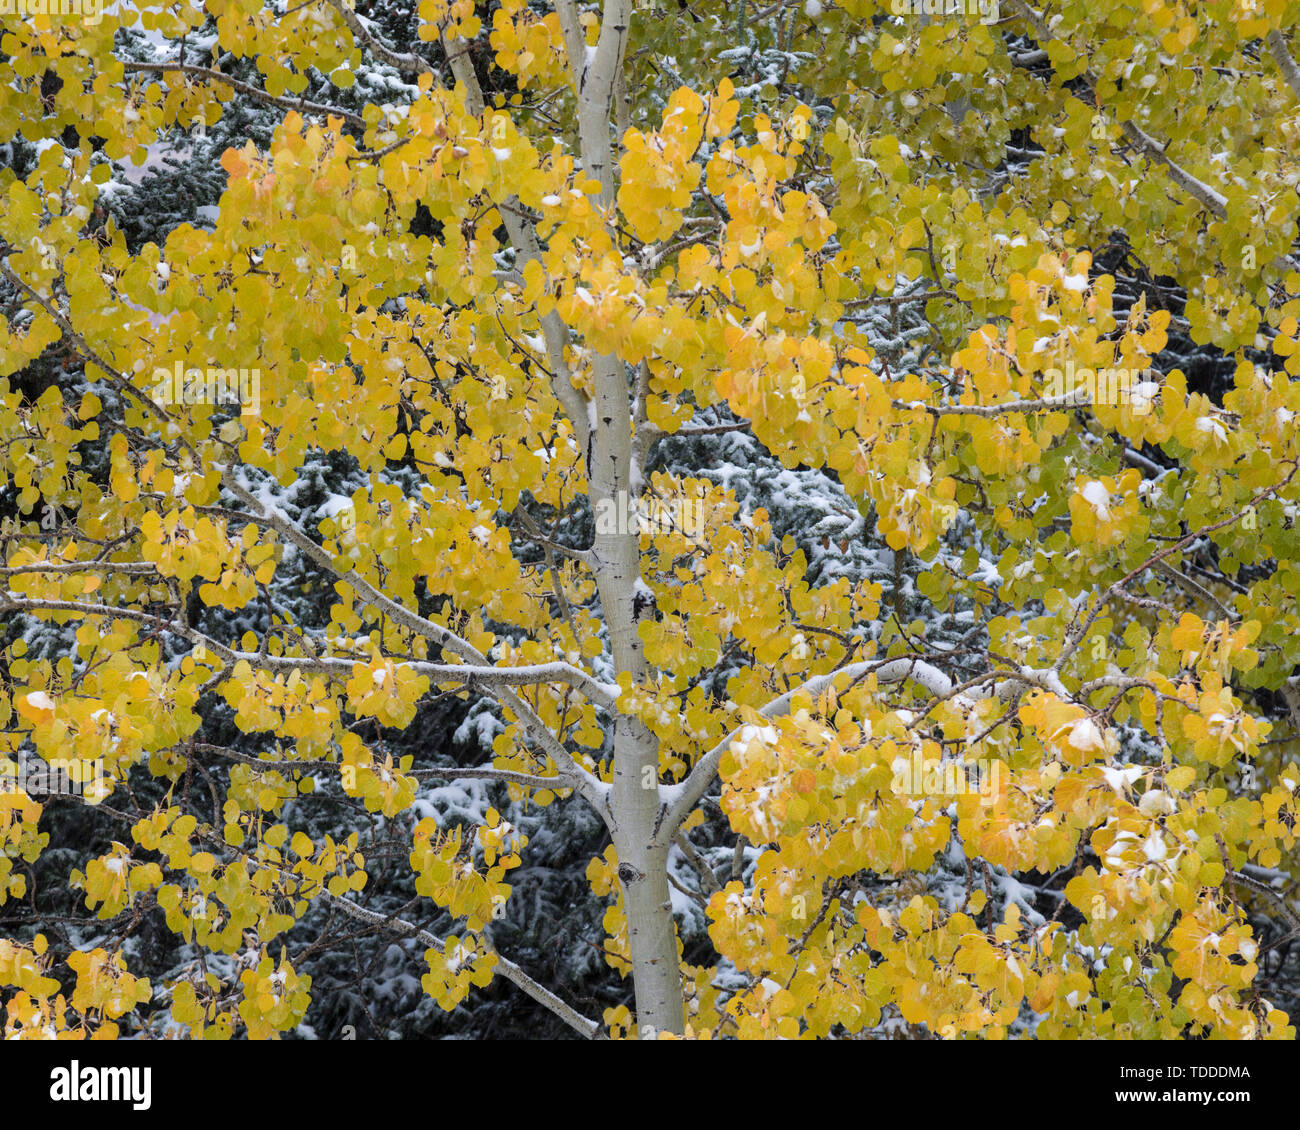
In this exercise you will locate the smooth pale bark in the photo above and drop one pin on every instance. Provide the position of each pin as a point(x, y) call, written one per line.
point(636, 805)
point(635, 794)
point(1282, 57)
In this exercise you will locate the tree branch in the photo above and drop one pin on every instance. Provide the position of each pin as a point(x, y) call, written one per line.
point(1283, 906)
point(679, 799)
point(1213, 201)
point(119, 381)
point(1044, 404)
point(299, 104)
point(408, 64)
point(487, 675)
point(594, 790)
point(1282, 57)
point(589, 1029)
point(490, 773)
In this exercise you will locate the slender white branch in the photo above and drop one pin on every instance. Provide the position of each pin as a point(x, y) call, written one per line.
point(1213, 201)
point(523, 237)
point(494, 679)
point(1292, 919)
point(409, 64)
point(489, 773)
point(1196, 589)
point(1291, 697)
point(15, 602)
point(521, 231)
point(679, 799)
point(133, 568)
point(287, 103)
point(575, 43)
point(592, 789)
point(260, 763)
point(1120, 682)
point(79, 343)
point(585, 1027)
point(532, 674)
point(1044, 404)
point(526, 675)
point(1282, 57)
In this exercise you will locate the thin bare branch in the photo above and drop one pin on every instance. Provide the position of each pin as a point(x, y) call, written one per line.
point(299, 104)
point(585, 1027)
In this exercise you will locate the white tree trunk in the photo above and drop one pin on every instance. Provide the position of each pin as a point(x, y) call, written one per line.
point(635, 801)
point(636, 804)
